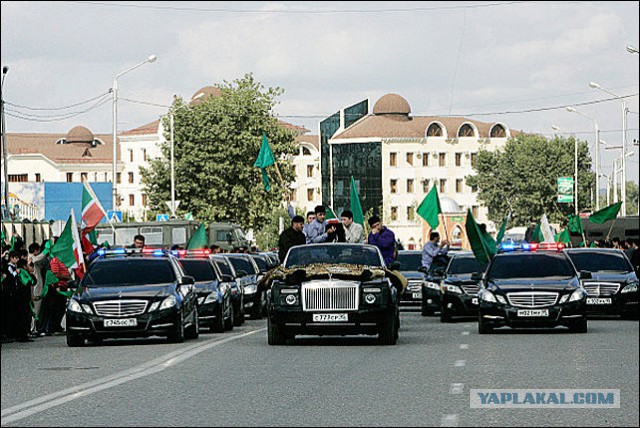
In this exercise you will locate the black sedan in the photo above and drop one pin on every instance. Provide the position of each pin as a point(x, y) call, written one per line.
point(215, 309)
point(237, 290)
point(248, 273)
point(459, 289)
point(128, 293)
point(410, 263)
point(524, 288)
point(431, 287)
point(613, 289)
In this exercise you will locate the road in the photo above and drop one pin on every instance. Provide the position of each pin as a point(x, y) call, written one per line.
point(236, 379)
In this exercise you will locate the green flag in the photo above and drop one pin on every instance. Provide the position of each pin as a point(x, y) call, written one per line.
point(68, 248)
point(482, 245)
point(50, 279)
point(265, 159)
point(13, 242)
point(537, 235)
point(575, 224)
point(356, 207)
point(605, 214)
point(26, 278)
point(503, 229)
point(331, 216)
point(563, 237)
point(46, 250)
point(199, 239)
point(429, 209)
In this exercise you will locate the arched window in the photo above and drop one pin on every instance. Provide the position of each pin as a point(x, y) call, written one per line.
point(498, 131)
point(434, 130)
point(466, 130)
point(306, 152)
point(456, 236)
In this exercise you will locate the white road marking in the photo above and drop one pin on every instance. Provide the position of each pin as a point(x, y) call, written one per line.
point(460, 363)
point(449, 421)
point(464, 346)
point(465, 333)
point(456, 388)
point(48, 401)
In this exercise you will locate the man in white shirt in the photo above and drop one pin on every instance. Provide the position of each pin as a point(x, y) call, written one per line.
point(354, 233)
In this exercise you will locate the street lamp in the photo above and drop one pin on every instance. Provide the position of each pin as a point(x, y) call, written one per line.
point(597, 151)
point(623, 186)
point(114, 92)
point(5, 156)
point(575, 174)
point(632, 50)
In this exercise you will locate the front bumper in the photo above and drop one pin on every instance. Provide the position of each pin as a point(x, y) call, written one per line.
point(209, 313)
point(460, 304)
point(499, 315)
point(412, 296)
point(157, 323)
point(364, 321)
point(621, 304)
point(430, 298)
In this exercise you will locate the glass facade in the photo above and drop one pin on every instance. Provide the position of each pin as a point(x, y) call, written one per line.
point(328, 127)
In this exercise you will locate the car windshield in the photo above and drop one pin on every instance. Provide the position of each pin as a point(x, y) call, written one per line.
point(262, 263)
point(410, 261)
point(530, 265)
point(464, 265)
point(125, 272)
point(594, 261)
point(225, 268)
point(333, 254)
point(200, 270)
point(241, 263)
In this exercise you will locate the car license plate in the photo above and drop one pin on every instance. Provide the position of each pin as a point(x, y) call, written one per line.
point(533, 313)
point(127, 322)
point(598, 301)
point(417, 295)
point(330, 318)
point(474, 301)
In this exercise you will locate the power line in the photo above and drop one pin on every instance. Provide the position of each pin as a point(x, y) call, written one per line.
point(33, 118)
point(59, 108)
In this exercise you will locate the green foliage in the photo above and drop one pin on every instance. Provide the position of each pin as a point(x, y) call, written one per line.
point(216, 142)
point(522, 176)
point(267, 237)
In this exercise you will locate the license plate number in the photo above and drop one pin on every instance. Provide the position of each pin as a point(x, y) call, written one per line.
point(474, 301)
point(330, 317)
point(127, 322)
point(597, 301)
point(417, 295)
point(533, 313)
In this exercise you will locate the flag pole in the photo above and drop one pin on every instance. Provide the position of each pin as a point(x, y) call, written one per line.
point(611, 228)
point(444, 224)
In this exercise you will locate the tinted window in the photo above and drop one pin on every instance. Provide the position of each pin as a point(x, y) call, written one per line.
point(224, 267)
point(596, 262)
point(464, 265)
point(201, 270)
point(333, 254)
point(439, 262)
point(262, 264)
point(410, 261)
point(536, 265)
point(119, 272)
point(240, 263)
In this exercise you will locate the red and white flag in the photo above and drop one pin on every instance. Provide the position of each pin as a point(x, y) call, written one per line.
point(92, 214)
point(68, 248)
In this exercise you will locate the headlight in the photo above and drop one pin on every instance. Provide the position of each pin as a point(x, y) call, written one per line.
point(630, 288)
point(501, 299)
point(432, 285)
point(372, 290)
point(576, 295)
point(370, 299)
point(288, 290)
point(74, 306)
point(250, 289)
point(452, 288)
point(212, 297)
point(87, 308)
point(154, 306)
point(488, 296)
point(291, 299)
point(169, 302)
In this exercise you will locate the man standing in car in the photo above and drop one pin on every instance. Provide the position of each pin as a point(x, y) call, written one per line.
point(316, 232)
point(433, 248)
point(291, 237)
point(383, 238)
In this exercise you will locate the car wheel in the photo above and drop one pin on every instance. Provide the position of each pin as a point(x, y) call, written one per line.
point(256, 311)
point(219, 324)
point(228, 323)
point(483, 328)
point(74, 340)
point(445, 316)
point(579, 327)
point(263, 303)
point(387, 333)
point(194, 329)
point(238, 316)
point(275, 335)
point(178, 335)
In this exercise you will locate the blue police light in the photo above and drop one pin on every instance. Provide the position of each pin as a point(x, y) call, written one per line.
point(102, 252)
point(119, 251)
point(508, 247)
point(158, 253)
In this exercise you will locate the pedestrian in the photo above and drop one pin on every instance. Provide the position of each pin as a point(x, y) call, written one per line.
point(59, 301)
point(39, 261)
point(383, 238)
point(635, 257)
point(316, 230)
point(291, 237)
point(215, 249)
point(23, 297)
point(354, 232)
point(433, 248)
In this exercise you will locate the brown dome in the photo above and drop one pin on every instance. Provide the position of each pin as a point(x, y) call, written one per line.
point(392, 104)
point(80, 134)
point(206, 92)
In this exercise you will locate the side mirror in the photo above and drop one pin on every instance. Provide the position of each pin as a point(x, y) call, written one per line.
point(476, 276)
point(241, 273)
point(439, 271)
point(227, 278)
point(423, 269)
point(395, 265)
point(188, 280)
point(584, 274)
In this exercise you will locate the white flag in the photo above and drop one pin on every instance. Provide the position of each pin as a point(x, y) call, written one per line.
point(546, 230)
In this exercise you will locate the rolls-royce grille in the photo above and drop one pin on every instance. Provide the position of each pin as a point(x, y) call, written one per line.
point(534, 299)
point(601, 288)
point(120, 308)
point(330, 296)
point(471, 289)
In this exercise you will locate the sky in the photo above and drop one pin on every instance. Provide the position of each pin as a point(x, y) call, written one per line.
point(518, 63)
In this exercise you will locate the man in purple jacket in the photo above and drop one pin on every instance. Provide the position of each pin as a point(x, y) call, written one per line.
point(382, 238)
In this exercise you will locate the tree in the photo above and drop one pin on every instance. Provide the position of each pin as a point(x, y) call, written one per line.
point(632, 198)
point(522, 176)
point(216, 142)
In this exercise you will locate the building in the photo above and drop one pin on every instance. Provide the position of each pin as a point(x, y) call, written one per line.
point(396, 158)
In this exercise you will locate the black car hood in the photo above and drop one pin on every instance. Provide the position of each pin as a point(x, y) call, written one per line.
point(620, 277)
point(412, 275)
point(534, 284)
point(207, 287)
point(463, 279)
point(146, 292)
